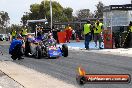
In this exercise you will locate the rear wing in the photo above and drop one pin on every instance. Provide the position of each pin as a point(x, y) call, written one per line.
point(37, 21)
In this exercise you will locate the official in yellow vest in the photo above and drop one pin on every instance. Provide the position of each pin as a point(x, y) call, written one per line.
point(87, 34)
point(24, 32)
point(130, 32)
point(98, 28)
point(13, 34)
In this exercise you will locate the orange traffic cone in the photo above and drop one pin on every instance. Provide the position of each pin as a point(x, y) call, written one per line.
point(77, 39)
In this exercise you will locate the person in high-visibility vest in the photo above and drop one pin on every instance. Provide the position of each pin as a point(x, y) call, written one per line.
point(98, 28)
point(24, 33)
point(130, 36)
point(13, 34)
point(87, 33)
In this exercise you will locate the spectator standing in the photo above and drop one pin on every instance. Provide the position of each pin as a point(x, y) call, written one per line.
point(98, 28)
point(87, 34)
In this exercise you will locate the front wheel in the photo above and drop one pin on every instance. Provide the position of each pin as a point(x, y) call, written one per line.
point(38, 53)
point(65, 50)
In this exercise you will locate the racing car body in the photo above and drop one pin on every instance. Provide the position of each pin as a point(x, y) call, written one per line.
point(54, 51)
point(43, 44)
point(44, 47)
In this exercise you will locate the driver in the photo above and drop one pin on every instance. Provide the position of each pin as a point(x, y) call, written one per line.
point(51, 39)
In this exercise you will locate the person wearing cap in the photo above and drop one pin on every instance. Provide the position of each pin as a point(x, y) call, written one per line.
point(87, 33)
point(98, 28)
point(15, 48)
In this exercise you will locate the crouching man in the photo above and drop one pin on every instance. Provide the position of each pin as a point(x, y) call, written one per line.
point(15, 48)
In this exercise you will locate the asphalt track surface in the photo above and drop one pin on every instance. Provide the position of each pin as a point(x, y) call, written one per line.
point(66, 68)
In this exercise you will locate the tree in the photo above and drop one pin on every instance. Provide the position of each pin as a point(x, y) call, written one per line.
point(42, 11)
point(99, 11)
point(15, 27)
point(35, 9)
point(4, 20)
point(25, 18)
point(83, 13)
point(68, 13)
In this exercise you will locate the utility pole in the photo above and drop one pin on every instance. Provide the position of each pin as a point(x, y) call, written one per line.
point(45, 10)
point(51, 12)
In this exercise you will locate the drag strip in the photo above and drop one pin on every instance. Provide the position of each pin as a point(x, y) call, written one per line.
point(66, 68)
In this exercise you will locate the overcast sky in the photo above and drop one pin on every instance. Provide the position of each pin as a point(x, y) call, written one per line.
point(16, 8)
